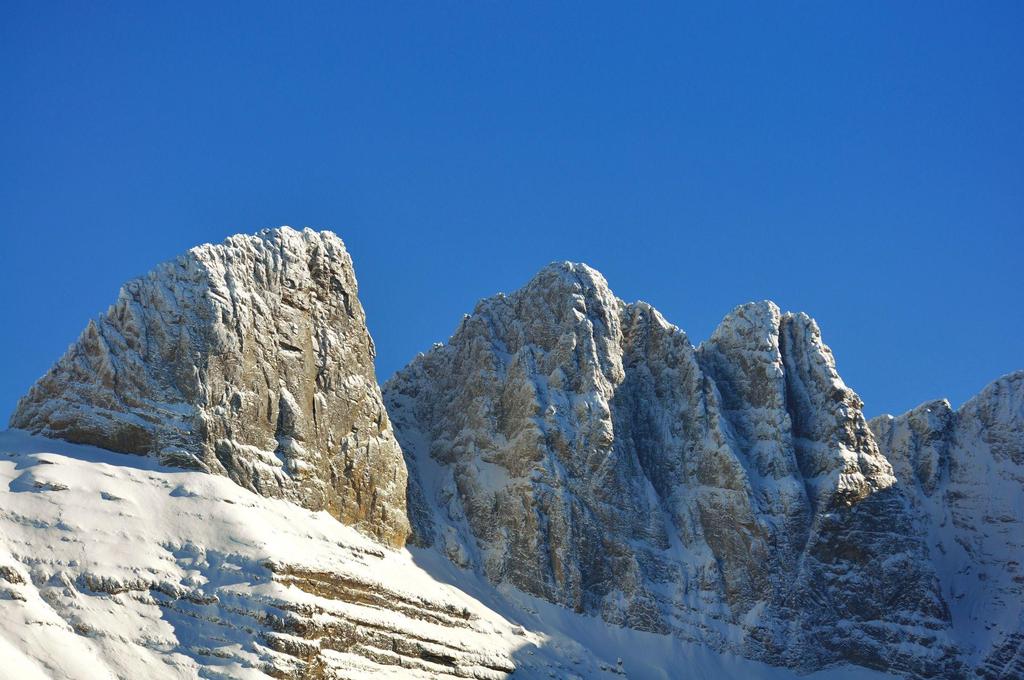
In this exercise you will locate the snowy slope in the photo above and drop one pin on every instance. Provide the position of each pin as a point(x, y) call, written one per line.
point(114, 567)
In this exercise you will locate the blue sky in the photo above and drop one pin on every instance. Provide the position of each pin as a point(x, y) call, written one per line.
point(862, 162)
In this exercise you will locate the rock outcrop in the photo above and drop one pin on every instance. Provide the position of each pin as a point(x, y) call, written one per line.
point(964, 472)
point(583, 450)
point(249, 359)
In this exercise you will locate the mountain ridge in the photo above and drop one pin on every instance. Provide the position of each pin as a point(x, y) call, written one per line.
point(569, 446)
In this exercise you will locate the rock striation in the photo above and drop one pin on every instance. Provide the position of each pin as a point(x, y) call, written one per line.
point(581, 449)
point(964, 473)
point(249, 359)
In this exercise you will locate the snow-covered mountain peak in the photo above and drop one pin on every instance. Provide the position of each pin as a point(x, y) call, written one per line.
point(963, 472)
point(581, 449)
point(248, 358)
point(1000, 405)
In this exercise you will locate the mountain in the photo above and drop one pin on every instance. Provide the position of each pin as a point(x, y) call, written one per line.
point(582, 450)
point(585, 493)
point(964, 473)
point(248, 359)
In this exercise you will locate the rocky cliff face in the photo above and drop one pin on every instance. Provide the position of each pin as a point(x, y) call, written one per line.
point(249, 359)
point(964, 472)
point(583, 450)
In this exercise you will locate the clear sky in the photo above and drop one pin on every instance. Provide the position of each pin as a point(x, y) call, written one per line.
point(862, 162)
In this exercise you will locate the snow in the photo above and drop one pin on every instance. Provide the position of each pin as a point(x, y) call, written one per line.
point(112, 566)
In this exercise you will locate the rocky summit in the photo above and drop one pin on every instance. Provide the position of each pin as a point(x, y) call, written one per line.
point(249, 359)
point(586, 493)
